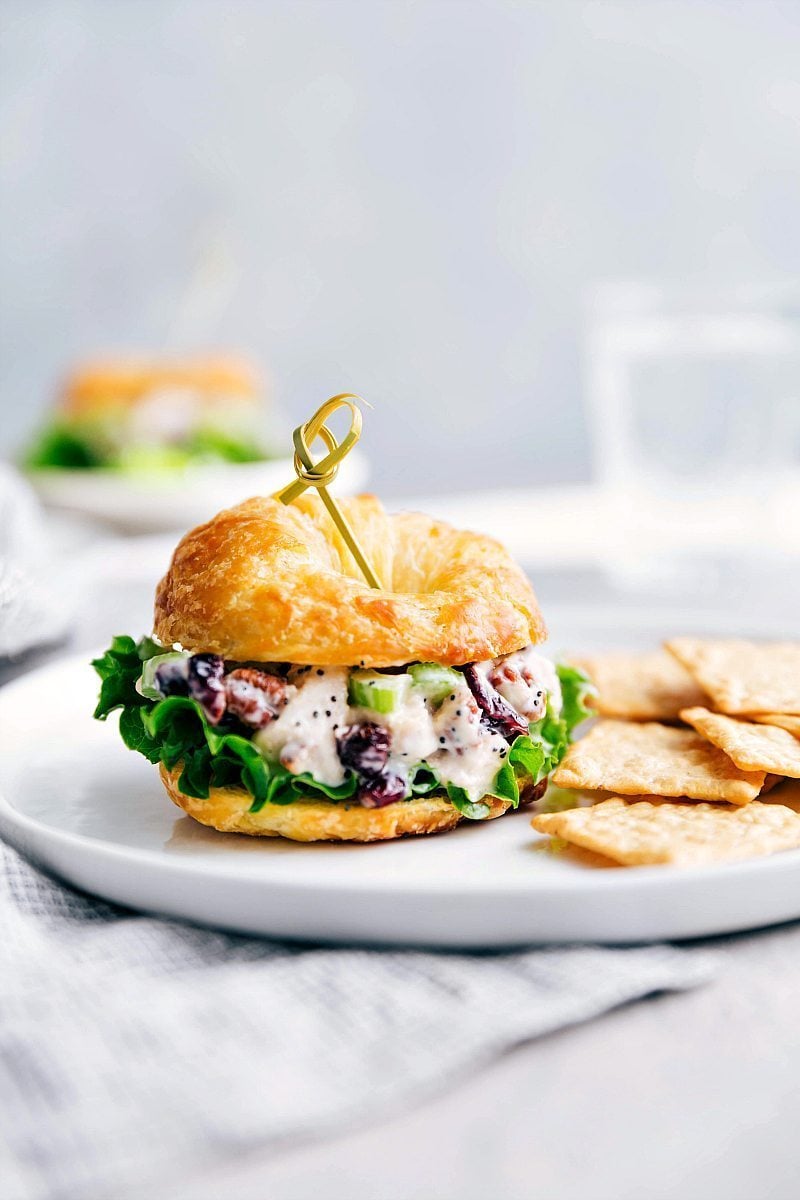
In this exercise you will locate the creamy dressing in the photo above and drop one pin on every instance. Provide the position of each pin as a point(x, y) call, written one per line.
point(520, 677)
point(468, 753)
point(472, 770)
point(170, 415)
point(451, 738)
point(410, 728)
point(164, 415)
point(303, 737)
point(454, 736)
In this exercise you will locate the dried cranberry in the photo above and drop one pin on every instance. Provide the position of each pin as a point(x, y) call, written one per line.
point(254, 697)
point(206, 686)
point(171, 677)
point(364, 748)
point(381, 790)
point(497, 712)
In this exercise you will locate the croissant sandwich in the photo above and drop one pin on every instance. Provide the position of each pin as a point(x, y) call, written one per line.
point(282, 696)
point(154, 415)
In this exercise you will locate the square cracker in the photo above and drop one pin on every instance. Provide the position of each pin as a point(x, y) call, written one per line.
point(641, 832)
point(752, 747)
point(743, 677)
point(781, 720)
point(640, 687)
point(635, 760)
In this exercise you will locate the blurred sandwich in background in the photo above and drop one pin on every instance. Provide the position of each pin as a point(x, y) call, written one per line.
point(156, 416)
point(159, 444)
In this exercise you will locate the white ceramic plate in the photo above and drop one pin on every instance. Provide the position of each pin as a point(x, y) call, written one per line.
point(73, 799)
point(173, 500)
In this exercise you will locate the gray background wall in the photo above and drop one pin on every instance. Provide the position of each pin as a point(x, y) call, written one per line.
point(406, 199)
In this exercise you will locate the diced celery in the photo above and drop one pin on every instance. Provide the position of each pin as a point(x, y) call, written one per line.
point(380, 693)
point(434, 681)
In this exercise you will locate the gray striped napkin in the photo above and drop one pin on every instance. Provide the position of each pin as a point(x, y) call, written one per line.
point(134, 1049)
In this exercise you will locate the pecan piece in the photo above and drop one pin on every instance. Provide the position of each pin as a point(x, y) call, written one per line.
point(255, 697)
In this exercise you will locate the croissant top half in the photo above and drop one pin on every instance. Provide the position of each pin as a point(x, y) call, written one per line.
point(270, 582)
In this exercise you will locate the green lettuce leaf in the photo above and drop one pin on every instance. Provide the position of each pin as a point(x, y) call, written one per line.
point(84, 446)
point(60, 446)
point(472, 810)
point(175, 730)
point(576, 689)
point(538, 753)
point(216, 444)
point(135, 736)
point(119, 668)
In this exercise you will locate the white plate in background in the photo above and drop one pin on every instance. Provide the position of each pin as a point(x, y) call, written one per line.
point(149, 503)
point(73, 799)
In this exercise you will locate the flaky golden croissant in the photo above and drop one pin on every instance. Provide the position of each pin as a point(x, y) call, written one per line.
point(272, 582)
point(95, 387)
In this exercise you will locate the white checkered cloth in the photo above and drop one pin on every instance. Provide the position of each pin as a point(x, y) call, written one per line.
point(133, 1050)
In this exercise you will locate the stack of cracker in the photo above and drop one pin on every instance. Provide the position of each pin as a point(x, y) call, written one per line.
point(688, 738)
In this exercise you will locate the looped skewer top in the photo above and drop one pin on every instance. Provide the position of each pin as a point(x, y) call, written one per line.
point(321, 474)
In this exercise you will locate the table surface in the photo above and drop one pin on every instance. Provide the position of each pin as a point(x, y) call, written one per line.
point(679, 1096)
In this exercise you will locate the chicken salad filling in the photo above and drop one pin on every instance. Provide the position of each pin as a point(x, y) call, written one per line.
point(370, 737)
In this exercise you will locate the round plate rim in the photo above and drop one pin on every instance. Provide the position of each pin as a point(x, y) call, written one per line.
point(623, 879)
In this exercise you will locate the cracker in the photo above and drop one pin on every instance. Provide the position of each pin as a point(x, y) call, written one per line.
point(783, 721)
point(635, 760)
point(640, 687)
point(751, 747)
point(743, 677)
point(642, 832)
